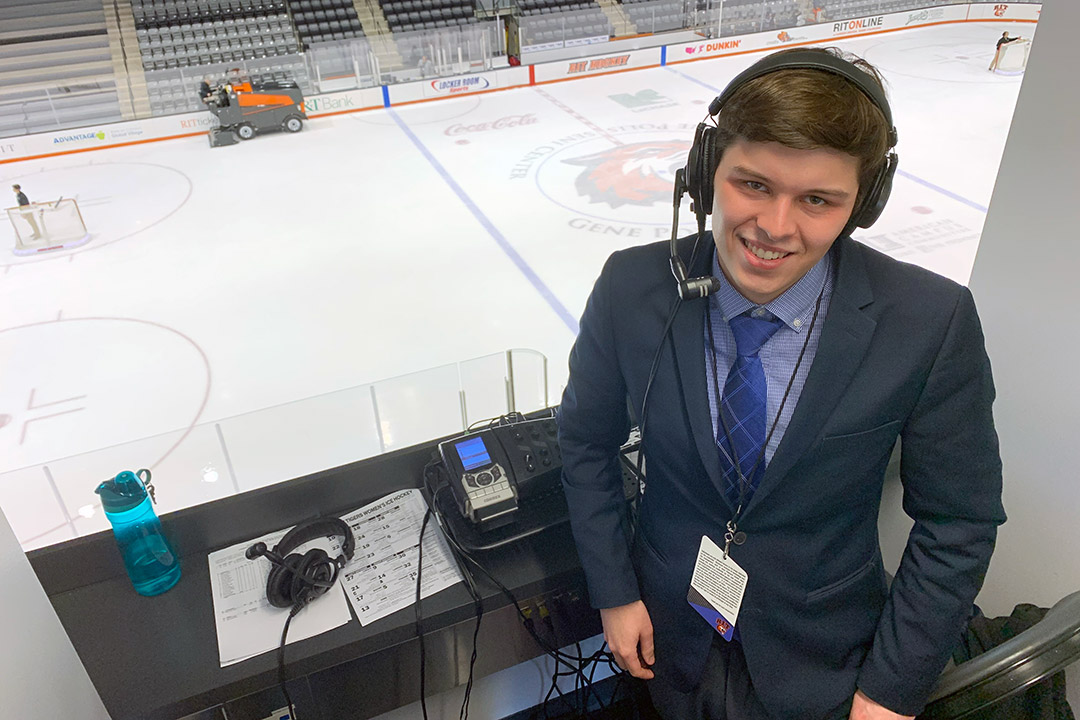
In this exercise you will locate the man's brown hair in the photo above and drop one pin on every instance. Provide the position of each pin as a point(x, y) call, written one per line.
point(809, 109)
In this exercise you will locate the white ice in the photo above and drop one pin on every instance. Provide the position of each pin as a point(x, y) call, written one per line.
point(371, 245)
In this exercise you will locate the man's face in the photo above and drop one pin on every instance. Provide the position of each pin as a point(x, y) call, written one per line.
point(777, 211)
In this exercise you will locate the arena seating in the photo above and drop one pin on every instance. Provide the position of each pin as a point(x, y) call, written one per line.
point(650, 16)
point(55, 67)
point(550, 21)
point(185, 33)
point(321, 20)
point(410, 15)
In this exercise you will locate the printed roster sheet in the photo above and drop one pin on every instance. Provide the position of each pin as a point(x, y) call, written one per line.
point(379, 580)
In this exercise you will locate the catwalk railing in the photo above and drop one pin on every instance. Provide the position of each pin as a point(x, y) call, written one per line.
point(55, 501)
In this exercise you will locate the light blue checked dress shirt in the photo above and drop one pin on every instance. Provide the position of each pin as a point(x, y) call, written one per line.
point(780, 353)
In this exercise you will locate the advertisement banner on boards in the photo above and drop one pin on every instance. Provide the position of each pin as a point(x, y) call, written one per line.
point(1004, 11)
point(581, 67)
point(444, 87)
point(930, 16)
point(345, 101)
point(809, 34)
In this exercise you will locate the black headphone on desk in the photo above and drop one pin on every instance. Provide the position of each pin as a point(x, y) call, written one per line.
point(296, 580)
point(698, 176)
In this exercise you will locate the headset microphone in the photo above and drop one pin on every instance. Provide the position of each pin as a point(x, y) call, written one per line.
point(259, 549)
point(689, 288)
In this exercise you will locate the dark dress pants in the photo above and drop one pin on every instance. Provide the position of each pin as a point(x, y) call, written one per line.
point(724, 693)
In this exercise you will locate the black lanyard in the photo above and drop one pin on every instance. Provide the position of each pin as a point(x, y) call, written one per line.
point(733, 533)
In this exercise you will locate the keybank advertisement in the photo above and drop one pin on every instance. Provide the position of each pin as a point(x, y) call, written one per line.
point(342, 102)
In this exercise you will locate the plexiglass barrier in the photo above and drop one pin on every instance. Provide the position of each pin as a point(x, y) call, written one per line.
point(404, 56)
point(176, 90)
point(740, 17)
point(55, 501)
point(550, 31)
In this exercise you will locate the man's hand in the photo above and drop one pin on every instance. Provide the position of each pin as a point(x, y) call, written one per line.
point(863, 708)
point(628, 631)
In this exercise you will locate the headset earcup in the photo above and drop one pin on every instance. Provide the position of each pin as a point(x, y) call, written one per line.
point(280, 580)
point(316, 565)
point(708, 169)
point(699, 171)
point(874, 203)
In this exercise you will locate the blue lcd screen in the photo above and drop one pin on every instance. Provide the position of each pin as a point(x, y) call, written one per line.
point(473, 453)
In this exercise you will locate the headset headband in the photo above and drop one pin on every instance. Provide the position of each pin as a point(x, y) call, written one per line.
point(810, 60)
point(316, 528)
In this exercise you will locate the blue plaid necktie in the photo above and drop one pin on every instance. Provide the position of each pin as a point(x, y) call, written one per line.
point(743, 403)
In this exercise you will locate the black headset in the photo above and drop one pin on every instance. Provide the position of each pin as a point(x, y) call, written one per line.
point(698, 175)
point(296, 580)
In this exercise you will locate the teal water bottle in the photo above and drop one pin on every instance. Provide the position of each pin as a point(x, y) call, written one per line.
point(151, 564)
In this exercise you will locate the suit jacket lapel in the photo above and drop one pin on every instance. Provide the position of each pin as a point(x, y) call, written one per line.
point(688, 332)
point(845, 337)
point(688, 335)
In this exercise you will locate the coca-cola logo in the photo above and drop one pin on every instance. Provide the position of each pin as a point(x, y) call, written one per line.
point(999, 10)
point(501, 124)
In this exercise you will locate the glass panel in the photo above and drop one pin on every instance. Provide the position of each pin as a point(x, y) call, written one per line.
point(419, 407)
point(453, 50)
point(548, 31)
point(33, 508)
point(485, 395)
point(300, 438)
point(341, 65)
point(531, 391)
point(54, 501)
point(189, 468)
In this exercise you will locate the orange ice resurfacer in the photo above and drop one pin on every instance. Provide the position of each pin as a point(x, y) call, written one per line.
point(244, 108)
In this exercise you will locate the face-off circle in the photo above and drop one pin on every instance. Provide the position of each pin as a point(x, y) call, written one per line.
point(79, 385)
point(112, 200)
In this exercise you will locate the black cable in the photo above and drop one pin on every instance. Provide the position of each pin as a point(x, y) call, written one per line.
point(470, 586)
point(660, 348)
point(281, 656)
point(419, 614)
point(463, 558)
point(555, 653)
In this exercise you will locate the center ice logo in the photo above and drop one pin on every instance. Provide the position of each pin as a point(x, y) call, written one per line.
point(636, 174)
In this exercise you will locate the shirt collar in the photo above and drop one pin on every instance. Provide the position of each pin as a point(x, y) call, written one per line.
point(794, 306)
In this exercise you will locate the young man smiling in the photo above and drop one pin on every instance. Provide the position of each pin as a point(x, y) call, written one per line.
point(773, 477)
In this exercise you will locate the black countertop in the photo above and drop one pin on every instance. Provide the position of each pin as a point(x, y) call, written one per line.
point(157, 657)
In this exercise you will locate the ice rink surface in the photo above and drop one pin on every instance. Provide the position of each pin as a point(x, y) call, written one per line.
point(379, 243)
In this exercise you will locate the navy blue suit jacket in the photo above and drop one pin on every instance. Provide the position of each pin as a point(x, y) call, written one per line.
point(901, 355)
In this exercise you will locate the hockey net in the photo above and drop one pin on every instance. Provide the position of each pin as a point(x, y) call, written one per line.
point(40, 227)
point(1014, 57)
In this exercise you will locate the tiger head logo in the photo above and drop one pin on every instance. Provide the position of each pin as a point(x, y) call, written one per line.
point(636, 174)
